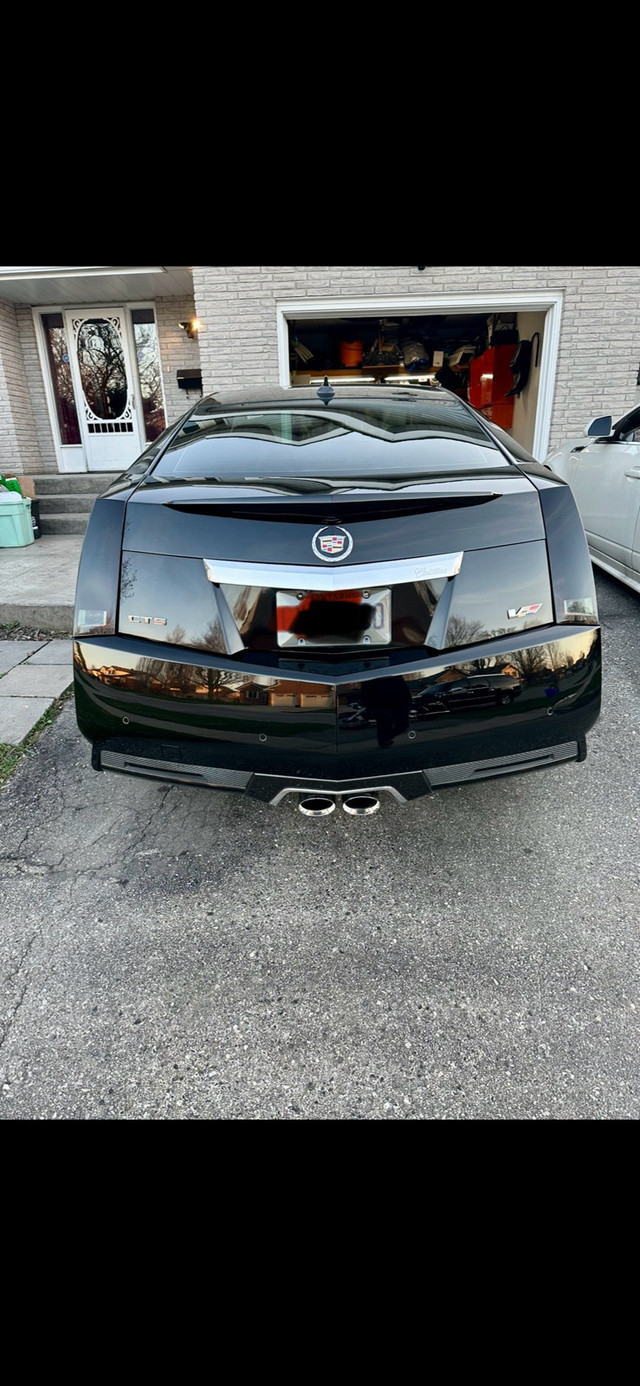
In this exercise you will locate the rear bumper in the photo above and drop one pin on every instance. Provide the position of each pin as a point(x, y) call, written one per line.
point(272, 789)
point(402, 726)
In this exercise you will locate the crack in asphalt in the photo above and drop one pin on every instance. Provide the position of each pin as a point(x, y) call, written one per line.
point(114, 828)
point(131, 847)
point(7, 1030)
point(27, 866)
point(21, 961)
point(16, 971)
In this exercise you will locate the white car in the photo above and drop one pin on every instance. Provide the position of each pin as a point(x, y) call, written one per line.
point(604, 475)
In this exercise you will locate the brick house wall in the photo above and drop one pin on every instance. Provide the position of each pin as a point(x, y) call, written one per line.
point(18, 437)
point(45, 460)
point(177, 351)
point(599, 341)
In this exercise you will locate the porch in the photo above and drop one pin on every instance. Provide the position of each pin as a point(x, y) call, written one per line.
point(92, 360)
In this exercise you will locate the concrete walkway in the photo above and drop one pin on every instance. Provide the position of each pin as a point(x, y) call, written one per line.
point(32, 675)
point(38, 583)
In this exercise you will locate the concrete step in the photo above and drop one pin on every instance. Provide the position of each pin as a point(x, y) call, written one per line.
point(72, 483)
point(69, 504)
point(63, 524)
point(37, 584)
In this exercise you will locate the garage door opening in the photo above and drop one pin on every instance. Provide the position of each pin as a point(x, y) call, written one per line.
point(500, 359)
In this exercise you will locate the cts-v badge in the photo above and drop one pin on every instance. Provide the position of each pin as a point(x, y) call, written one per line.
point(332, 544)
point(514, 611)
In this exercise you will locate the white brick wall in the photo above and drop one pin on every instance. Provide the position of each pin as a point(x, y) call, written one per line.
point(599, 342)
point(46, 460)
point(177, 351)
point(18, 440)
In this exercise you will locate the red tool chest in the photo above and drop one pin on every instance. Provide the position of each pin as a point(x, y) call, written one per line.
point(490, 377)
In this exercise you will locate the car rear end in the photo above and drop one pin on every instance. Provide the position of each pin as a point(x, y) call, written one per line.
point(335, 600)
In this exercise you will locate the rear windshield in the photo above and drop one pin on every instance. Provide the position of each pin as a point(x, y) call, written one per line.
point(349, 437)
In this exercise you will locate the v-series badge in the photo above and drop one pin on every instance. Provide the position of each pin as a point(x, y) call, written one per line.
point(516, 611)
point(154, 620)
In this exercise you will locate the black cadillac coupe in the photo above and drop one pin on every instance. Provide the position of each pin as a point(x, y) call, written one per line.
point(335, 594)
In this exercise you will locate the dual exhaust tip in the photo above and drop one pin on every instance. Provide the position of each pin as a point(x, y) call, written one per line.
point(319, 805)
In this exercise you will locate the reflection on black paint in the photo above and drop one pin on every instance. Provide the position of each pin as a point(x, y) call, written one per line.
point(387, 702)
point(473, 690)
point(542, 672)
point(551, 668)
point(169, 599)
point(492, 705)
point(186, 682)
point(492, 581)
point(488, 695)
point(171, 604)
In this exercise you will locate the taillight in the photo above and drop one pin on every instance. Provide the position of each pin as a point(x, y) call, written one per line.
point(87, 622)
point(574, 589)
point(99, 571)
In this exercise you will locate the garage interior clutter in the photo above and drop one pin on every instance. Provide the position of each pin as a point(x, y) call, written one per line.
point(490, 360)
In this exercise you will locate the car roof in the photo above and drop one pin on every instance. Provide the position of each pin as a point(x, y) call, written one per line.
point(403, 410)
point(420, 407)
point(365, 428)
point(278, 396)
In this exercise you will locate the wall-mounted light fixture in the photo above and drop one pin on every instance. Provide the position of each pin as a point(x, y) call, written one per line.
point(192, 327)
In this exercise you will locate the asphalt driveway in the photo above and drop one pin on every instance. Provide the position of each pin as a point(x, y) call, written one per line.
point(170, 952)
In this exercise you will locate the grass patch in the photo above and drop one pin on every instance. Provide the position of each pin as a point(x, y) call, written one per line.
point(10, 756)
point(14, 630)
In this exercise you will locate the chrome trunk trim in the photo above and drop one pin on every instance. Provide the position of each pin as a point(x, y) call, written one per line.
point(353, 576)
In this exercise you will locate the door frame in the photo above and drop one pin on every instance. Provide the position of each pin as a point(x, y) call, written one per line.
point(414, 305)
point(72, 457)
point(119, 310)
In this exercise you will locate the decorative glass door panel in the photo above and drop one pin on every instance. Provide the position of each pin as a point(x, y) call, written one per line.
point(145, 336)
point(61, 382)
point(104, 387)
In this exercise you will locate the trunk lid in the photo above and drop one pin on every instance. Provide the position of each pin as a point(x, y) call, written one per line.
point(270, 523)
point(183, 539)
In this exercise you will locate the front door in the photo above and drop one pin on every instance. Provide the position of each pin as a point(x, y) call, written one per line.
point(111, 425)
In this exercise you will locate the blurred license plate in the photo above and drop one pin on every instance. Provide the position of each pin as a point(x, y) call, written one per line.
point(314, 619)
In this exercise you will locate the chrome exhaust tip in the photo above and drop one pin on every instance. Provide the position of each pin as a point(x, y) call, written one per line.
point(359, 804)
point(317, 805)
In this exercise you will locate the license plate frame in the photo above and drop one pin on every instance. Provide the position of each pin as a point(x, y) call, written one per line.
point(290, 605)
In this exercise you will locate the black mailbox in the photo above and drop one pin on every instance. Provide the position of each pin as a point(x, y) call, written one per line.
point(189, 380)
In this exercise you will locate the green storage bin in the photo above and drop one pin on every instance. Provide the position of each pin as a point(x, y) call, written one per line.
point(16, 528)
point(10, 483)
